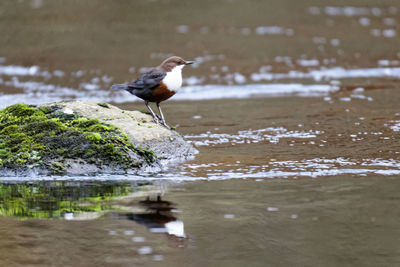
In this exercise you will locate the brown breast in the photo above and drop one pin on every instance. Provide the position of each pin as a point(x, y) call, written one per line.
point(161, 93)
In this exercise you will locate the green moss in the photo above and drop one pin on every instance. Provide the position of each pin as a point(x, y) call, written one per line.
point(147, 153)
point(21, 110)
point(57, 168)
point(94, 137)
point(32, 136)
point(9, 129)
point(99, 128)
point(3, 153)
point(46, 110)
point(104, 105)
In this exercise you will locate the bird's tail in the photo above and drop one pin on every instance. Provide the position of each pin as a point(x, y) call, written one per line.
point(119, 87)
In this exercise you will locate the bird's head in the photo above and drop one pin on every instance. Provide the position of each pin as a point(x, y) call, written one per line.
point(170, 63)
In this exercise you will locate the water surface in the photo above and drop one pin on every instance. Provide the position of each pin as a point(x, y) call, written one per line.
point(335, 221)
point(293, 106)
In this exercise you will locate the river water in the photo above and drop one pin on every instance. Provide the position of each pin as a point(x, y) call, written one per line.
point(293, 106)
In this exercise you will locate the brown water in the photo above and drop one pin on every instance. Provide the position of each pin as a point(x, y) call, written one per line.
point(293, 106)
point(341, 220)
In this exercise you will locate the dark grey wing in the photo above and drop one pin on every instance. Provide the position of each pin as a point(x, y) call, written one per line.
point(147, 81)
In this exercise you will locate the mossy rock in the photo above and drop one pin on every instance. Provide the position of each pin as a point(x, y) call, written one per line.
point(52, 140)
point(169, 146)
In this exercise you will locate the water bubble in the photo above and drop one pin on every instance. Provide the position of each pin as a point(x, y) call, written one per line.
point(273, 209)
point(364, 21)
point(335, 42)
point(129, 232)
point(389, 33)
point(138, 239)
point(182, 29)
point(145, 250)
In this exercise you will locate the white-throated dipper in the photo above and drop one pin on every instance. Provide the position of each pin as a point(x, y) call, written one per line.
point(158, 84)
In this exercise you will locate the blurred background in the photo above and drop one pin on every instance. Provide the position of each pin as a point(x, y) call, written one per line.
point(54, 49)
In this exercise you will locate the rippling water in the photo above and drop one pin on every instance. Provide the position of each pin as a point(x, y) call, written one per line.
point(293, 105)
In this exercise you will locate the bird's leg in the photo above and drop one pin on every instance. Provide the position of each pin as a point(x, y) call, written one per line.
point(162, 116)
point(156, 120)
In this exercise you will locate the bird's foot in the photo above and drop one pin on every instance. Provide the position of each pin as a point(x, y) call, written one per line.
point(160, 121)
point(156, 120)
point(165, 125)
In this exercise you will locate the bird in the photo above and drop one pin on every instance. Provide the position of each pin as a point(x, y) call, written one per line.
point(157, 85)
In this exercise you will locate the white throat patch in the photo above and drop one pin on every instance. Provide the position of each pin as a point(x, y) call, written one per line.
point(173, 79)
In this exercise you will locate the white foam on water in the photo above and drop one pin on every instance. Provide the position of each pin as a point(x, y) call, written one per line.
point(365, 22)
point(129, 232)
point(14, 70)
point(202, 92)
point(138, 239)
point(308, 62)
point(394, 125)
point(387, 62)
point(273, 209)
point(145, 250)
point(389, 33)
point(273, 30)
point(381, 162)
point(182, 28)
point(349, 11)
point(40, 91)
point(270, 134)
point(287, 174)
point(330, 73)
point(317, 167)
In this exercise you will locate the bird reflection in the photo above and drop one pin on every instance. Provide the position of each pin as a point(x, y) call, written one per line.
point(158, 217)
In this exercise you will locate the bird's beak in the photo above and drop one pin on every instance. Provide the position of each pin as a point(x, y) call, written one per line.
point(189, 62)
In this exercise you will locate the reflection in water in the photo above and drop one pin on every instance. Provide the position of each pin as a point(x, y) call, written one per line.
point(90, 200)
point(60, 199)
point(158, 217)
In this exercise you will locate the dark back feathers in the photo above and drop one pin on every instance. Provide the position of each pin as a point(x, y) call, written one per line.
point(147, 81)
